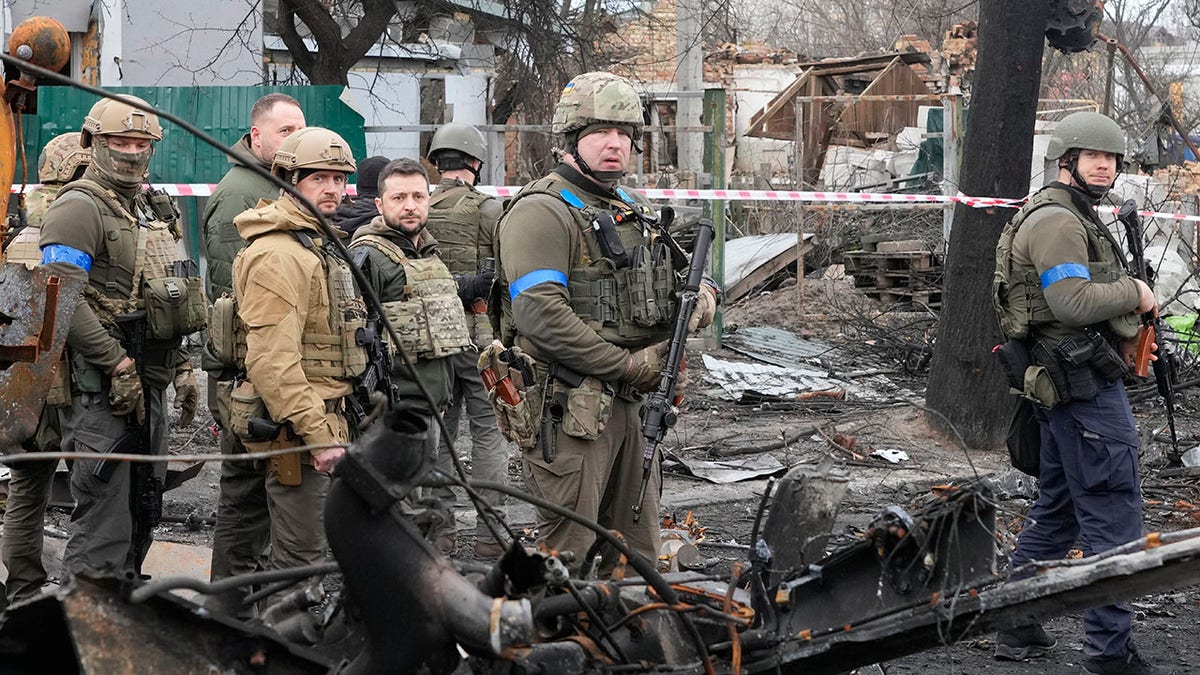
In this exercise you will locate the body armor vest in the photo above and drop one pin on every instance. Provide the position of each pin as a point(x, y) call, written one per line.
point(141, 253)
point(629, 305)
point(455, 221)
point(430, 322)
point(1017, 291)
point(335, 354)
point(24, 247)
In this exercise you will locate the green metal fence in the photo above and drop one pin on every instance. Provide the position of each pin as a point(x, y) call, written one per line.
point(221, 112)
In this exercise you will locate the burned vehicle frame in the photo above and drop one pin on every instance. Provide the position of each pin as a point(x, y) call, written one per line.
point(919, 577)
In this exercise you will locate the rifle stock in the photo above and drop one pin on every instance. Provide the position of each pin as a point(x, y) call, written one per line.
point(658, 414)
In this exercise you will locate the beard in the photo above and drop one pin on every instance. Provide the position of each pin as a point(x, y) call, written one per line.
point(405, 229)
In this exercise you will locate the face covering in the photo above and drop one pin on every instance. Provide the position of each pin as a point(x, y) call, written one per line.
point(124, 169)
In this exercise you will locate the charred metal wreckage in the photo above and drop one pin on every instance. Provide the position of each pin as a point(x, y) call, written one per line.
point(919, 577)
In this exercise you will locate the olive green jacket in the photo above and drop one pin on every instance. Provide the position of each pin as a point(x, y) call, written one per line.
point(1053, 241)
point(238, 191)
point(538, 237)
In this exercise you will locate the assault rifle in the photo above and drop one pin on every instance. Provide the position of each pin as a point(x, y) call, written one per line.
point(145, 488)
point(658, 415)
point(376, 378)
point(378, 375)
point(1152, 325)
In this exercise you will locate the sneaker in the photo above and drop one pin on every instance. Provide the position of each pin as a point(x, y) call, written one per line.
point(1131, 663)
point(1023, 642)
point(488, 550)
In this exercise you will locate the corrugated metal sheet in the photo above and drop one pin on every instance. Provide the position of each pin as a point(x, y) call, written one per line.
point(221, 112)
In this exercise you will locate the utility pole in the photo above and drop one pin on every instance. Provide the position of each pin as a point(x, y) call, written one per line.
point(690, 106)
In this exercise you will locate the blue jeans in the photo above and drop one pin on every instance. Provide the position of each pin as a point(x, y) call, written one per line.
point(1088, 490)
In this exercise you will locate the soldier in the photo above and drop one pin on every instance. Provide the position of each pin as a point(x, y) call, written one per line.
point(361, 210)
point(399, 257)
point(243, 524)
point(463, 220)
point(588, 289)
point(1063, 291)
point(62, 161)
point(139, 301)
point(300, 310)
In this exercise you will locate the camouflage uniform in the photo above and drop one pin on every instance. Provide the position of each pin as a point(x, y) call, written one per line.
point(102, 228)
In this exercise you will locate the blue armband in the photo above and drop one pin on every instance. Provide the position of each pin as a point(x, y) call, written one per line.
point(61, 253)
point(533, 279)
point(1065, 271)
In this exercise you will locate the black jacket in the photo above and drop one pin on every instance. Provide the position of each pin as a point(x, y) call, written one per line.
point(349, 217)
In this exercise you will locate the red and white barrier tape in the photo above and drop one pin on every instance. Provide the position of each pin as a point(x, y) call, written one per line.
point(206, 189)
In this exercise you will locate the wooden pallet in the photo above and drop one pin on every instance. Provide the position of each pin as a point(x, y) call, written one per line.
point(898, 278)
point(930, 298)
point(916, 261)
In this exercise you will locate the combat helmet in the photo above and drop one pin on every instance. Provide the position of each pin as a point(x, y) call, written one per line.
point(453, 144)
point(1085, 131)
point(63, 159)
point(597, 98)
point(117, 117)
point(314, 149)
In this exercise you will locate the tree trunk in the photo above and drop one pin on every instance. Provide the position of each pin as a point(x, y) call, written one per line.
point(965, 384)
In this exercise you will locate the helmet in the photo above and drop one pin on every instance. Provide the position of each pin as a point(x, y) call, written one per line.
point(114, 116)
point(598, 98)
point(62, 158)
point(1086, 131)
point(463, 138)
point(313, 148)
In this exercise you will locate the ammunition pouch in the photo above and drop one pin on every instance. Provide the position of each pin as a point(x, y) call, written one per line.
point(226, 347)
point(85, 377)
point(246, 406)
point(1014, 361)
point(60, 387)
point(174, 306)
point(520, 421)
point(1074, 367)
point(588, 407)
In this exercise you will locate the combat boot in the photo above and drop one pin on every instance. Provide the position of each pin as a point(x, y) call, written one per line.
point(1023, 642)
point(1131, 663)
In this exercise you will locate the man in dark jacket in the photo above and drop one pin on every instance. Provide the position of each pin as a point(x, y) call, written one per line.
point(399, 257)
point(362, 210)
point(243, 523)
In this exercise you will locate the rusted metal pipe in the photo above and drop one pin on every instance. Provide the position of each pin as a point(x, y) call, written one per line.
point(1149, 86)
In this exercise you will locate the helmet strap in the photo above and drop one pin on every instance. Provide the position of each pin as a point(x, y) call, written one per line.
point(1094, 191)
point(607, 177)
point(456, 161)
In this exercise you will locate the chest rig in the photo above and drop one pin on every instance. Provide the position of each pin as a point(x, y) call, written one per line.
point(455, 220)
point(429, 319)
point(336, 353)
point(621, 281)
point(139, 266)
point(24, 247)
point(1017, 293)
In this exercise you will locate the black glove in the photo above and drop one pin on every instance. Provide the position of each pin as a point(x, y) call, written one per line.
point(472, 287)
